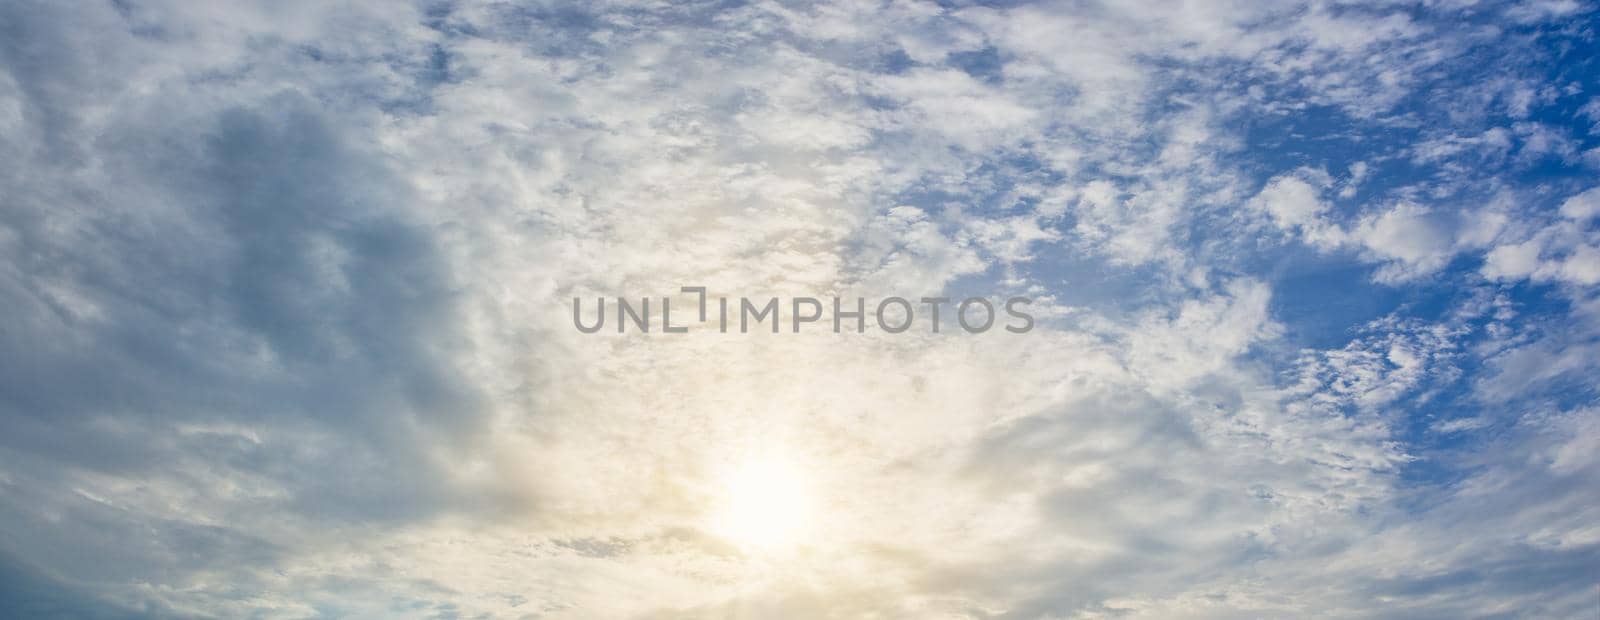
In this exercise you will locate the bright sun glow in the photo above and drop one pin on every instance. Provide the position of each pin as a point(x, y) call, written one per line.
point(763, 504)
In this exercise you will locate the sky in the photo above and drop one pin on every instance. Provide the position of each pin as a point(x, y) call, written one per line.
point(287, 326)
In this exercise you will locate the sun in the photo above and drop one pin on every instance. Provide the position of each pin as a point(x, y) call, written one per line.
point(763, 504)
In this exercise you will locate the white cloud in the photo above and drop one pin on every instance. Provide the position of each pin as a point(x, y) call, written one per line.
point(1292, 202)
point(1582, 207)
point(1563, 250)
point(1410, 241)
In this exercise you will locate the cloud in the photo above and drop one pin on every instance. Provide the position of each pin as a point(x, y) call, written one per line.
point(287, 329)
point(1562, 251)
point(1292, 202)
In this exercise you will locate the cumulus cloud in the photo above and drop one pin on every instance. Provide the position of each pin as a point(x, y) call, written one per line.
point(1564, 250)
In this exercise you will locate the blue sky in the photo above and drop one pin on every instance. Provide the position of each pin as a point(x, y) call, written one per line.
point(287, 330)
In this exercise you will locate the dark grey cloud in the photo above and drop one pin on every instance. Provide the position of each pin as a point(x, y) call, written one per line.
point(201, 289)
point(28, 592)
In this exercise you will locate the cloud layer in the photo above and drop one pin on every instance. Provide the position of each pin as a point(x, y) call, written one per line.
point(288, 331)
